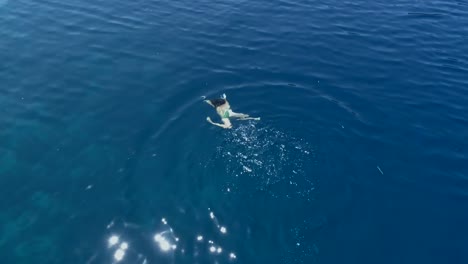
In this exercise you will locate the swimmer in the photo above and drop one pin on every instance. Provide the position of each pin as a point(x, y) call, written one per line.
point(224, 111)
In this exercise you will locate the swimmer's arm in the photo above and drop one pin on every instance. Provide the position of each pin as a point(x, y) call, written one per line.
point(208, 102)
point(226, 123)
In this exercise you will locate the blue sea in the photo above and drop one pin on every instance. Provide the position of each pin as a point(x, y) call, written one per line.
point(360, 156)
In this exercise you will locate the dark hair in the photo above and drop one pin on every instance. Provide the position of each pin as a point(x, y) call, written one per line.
point(218, 102)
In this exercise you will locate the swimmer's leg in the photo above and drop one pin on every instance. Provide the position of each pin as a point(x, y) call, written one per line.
point(226, 123)
point(250, 118)
point(237, 115)
point(241, 116)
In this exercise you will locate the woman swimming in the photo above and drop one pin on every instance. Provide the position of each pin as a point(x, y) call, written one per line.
point(224, 111)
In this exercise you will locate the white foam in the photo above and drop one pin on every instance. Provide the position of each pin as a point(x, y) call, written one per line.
point(270, 157)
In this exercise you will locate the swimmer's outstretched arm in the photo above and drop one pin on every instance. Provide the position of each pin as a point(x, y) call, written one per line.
point(226, 123)
point(208, 102)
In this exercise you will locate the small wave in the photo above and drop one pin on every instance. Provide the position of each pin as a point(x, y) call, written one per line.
point(344, 106)
point(425, 15)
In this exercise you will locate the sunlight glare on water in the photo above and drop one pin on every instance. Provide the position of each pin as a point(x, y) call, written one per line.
point(167, 242)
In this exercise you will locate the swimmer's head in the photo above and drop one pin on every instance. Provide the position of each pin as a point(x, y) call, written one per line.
point(217, 102)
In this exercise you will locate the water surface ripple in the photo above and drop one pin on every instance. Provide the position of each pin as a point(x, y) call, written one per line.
point(360, 156)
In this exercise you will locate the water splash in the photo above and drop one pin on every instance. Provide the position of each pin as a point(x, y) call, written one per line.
point(269, 157)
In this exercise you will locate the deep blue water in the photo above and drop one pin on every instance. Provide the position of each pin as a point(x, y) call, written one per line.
point(360, 156)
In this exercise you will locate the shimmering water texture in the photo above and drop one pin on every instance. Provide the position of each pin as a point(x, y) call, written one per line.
point(360, 156)
point(269, 158)
point(167, 245)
